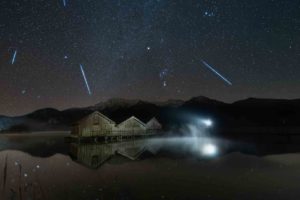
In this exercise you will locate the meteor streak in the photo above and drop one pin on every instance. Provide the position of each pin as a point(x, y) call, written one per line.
point(65, 3)
point(14, 57)
point(85, 80)
point(216, 72)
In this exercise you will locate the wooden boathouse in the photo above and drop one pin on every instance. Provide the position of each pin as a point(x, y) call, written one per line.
point(99, 126)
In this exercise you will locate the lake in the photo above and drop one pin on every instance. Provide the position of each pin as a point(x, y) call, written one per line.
point(43, 166)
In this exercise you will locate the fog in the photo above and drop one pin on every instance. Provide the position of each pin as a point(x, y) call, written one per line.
point(195, 139)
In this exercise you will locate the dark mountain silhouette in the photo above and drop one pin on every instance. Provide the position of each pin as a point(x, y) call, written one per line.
point(170, 103)
point(115, 103)
point(251, 113)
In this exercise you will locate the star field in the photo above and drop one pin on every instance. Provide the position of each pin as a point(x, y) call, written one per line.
point(146, 49)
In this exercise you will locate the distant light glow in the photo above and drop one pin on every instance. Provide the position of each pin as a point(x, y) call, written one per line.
point(216, 72)
point(207, 122)
point(209, 150)
point(85, 80)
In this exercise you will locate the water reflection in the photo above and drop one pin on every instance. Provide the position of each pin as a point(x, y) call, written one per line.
point(94, 154)
point(57, 177)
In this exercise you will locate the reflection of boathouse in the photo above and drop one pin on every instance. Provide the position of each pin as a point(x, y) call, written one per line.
point(97, 124)
point(94, 155)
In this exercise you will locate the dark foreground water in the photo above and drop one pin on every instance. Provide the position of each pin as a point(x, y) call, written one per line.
point(43, 166)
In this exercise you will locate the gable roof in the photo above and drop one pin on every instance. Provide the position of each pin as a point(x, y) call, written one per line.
point(153, 124)
point(133, 118)
point(153, 119)
point(132, 154)
point(97, 113)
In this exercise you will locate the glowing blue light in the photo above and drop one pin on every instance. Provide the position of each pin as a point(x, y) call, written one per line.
point(85, 80)
point(207, 122)
point(216, 72)
point(209, 150)
point(204, 122)
point(14, 57)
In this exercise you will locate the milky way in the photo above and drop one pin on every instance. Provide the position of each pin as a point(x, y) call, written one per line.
point(146, 49)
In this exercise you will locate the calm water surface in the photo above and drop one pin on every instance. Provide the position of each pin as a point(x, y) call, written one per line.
point(43, 166)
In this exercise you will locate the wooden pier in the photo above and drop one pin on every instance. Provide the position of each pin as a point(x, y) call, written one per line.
point(108, 138)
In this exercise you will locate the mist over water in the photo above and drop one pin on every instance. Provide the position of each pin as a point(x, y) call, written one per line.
point(195, 140)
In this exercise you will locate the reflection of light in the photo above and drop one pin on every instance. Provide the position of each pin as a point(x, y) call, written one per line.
point(207, 122)
point(209, 150)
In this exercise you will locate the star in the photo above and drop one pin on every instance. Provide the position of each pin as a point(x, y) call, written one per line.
point(126, 43)
point(209, 14)
point(165, 83)
point(163, 73)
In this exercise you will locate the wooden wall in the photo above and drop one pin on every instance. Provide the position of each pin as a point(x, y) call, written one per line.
point(95, 125)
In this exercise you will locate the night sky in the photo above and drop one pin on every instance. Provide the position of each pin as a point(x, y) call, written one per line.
point(148, 49)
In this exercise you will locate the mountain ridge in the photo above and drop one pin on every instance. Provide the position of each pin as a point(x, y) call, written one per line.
point(250, 112)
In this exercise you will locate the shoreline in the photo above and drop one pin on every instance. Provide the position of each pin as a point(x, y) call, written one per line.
point(37, 133)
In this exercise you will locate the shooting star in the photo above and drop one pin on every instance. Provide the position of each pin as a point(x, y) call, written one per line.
point(65, 3)
point(216, 72)
point(14, 57)
point(85, 80)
